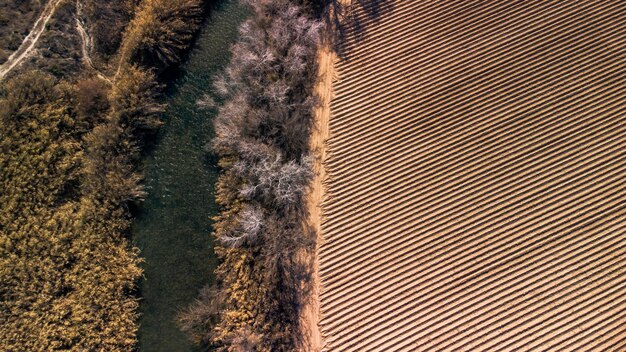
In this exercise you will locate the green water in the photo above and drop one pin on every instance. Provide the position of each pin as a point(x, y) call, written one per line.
point(173, 227)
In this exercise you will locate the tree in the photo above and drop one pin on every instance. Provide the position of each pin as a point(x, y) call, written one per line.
point(262, 135)
point(66, 267)
point(134, 99)
point(92, 99)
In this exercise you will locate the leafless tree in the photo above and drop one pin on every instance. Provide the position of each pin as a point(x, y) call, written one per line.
point(197, 318)
point(206, 102)
point(262, 133)
point(274, 182)
point(250, 221)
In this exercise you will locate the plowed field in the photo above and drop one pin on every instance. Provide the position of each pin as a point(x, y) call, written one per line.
point(475, 175)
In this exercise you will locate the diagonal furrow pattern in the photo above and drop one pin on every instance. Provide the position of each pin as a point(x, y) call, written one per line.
point(475, 178)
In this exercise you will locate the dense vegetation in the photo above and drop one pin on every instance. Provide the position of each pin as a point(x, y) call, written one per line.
point(160, 31)
point(67, 269)
point(58, 49)
point(262, 134)
point(69, 150)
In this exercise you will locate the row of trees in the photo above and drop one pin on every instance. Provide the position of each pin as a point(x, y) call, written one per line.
point(262, 134)
point(69, 151)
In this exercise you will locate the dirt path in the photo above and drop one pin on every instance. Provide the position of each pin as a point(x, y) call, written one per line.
point(86, 43)
point(27, 46)
point(85, 39)
point(326, 58)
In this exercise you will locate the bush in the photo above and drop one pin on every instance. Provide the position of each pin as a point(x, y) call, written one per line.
point(160, 31)
point(91, 99)
point(134, 99)
point(58, 47)
point(16, 19)
point(68, 156)
point(107, 20)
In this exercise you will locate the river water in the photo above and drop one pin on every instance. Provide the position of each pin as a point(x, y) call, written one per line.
point(173, 226)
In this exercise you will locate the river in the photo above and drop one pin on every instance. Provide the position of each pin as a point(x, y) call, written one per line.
point(173, 226)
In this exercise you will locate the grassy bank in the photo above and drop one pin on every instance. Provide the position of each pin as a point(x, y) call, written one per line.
point(69, 151)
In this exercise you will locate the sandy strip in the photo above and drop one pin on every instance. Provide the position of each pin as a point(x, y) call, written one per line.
point(326, 59)
point(319, 135)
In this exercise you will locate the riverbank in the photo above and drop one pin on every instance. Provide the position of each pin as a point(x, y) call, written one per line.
point(262, 140)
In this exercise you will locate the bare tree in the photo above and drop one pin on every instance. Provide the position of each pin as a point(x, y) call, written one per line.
point(262, 133)
point(250, 220)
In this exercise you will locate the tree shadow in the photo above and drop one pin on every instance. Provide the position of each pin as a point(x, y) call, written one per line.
point(351, 20)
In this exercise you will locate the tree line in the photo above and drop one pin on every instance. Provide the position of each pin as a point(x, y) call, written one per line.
point(262, 140)
point(69, 151)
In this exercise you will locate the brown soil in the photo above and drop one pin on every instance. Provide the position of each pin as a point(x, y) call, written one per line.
point(317, 142)
point(474, 193)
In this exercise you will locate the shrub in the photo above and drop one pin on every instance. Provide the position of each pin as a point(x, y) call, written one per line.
point(68, 156)
point(160, 31)
point(134, 99)
point(16, 19)
point(106, 20)
point(91, 99)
